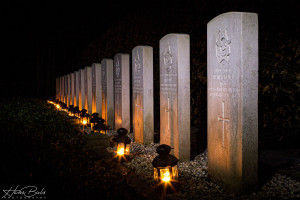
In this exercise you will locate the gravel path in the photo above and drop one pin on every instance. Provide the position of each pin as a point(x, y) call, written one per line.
point(194, 182)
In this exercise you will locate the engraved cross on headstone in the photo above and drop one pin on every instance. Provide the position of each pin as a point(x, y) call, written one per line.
point(137, 106)
point(168, 110)
point(223, 119)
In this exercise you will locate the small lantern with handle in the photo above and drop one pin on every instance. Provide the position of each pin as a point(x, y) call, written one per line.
point(123, 142)
point(165, 165)
point(84, 118)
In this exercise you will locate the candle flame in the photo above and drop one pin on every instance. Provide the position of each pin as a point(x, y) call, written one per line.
point(84, 122)
point(120, 151)
point(166, 176)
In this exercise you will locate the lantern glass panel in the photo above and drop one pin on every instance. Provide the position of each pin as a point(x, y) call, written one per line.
point(127, 149)
point(156, 178)
point(175, 172)
point(120, 149)
point(92, 126)
point(165, 174)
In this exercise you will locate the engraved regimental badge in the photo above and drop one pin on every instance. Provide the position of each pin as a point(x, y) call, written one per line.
point(222, 46)
point(137, 64)
point(168, 59)
point(118, 70)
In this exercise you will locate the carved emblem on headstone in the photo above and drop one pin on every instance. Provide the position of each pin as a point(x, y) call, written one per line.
point(168, 59)
point(118, 70)
point(223, 46)
point(137, 64)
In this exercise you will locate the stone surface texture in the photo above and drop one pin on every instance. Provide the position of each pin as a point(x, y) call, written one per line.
point(81, 89)
point(142, 94)
point(232, 99)
point(96, 89)
point(107, 92)
point(122, 91)
point(175, 94)
point(88, 89)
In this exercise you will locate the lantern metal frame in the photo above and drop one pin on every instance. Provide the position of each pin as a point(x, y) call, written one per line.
point(165, 165)
point(100, 126)
point(84, 118)
point(122, 142)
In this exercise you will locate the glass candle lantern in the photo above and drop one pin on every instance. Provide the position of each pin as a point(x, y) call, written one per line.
point(84, 118)
point(165, 165)
point(64, 107)
point(122, 142)
point(71, 111)
point(100, 126)
point(94, 120)
point(76, 111)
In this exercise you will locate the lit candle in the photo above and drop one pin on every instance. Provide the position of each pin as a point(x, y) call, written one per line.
point(120, 149)
point(165, 175)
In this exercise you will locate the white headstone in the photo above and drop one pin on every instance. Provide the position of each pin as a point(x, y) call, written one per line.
point(81, 89)
point(142, 94)
point(96, 89)
point(56, 88)
point(107, 92)
point(72, 90)
point(232, 81)
point(62, 89)
point(88, 89)
point(122, 91)
point(66, 89)
point(175, 94)
point(76, 88)
point(69, 90)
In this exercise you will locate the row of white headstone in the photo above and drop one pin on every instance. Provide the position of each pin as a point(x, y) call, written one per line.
point(232, 95)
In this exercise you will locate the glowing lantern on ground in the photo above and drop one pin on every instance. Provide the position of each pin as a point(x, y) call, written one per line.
point(76, 111)
point(84, 118)
point(100, 126)
point(94, 120)
point(123, 142)
point(165, 165)
point(71, 111)
point(64, 107)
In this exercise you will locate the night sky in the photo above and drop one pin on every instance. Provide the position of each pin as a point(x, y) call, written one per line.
point(44, 40)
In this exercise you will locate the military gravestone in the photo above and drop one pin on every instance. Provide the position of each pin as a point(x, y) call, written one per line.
point(81, 89)
point(72, 89)
point(56, 88)
point(69, 90)
point(122, 91)
point(175, 94)
point(96, 89)
point(88, 89)
point(76, 89)
point(62, 89)
point(66, 89)
point(107, 92)
point(232, 81)
point(142, 94)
